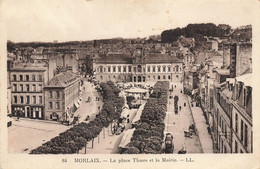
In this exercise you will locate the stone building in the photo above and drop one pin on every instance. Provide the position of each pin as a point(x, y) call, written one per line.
point(27, 81)
point(238, 57)
point(62, 96)
point(139, 67)
point(232, 116)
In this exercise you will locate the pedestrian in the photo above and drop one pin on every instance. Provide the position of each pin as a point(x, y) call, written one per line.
point(184, 104)
point(180, 108)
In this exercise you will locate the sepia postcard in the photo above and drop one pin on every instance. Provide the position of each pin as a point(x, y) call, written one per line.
point(129, 84)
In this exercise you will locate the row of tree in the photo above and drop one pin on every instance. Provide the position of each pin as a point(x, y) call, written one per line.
point(176, 99)
point(196, 31)
point(149, 134)
point(75, 138)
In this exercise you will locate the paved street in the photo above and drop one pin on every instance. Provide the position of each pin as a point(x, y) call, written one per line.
point(88, 108)
point(178, 123)
point(204, 136)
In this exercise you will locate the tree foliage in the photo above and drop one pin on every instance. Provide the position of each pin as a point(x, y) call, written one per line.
point(75, 138)
point(148, 136)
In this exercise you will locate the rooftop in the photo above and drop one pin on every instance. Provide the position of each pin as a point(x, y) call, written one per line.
point(128, 59)
point(62, 80)
point(29, 67)
point(223, 71)
point(246, 79)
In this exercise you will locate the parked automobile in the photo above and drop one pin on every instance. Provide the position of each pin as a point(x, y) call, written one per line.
point(169, 146)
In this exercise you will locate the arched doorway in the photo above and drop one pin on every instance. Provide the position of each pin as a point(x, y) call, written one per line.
point(134, 78)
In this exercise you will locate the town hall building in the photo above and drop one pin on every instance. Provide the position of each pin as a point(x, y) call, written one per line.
point(139, 67)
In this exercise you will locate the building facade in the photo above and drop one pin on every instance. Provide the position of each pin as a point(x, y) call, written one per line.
point(62, 96)
point(138, 68)
point(232, 116)
point(27, 82)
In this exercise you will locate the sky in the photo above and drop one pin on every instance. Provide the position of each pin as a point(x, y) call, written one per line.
point(69, 20)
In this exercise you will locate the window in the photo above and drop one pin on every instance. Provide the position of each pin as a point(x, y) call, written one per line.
point(21, 87)
point(153, 68)
point(148, 68)
point(57, 105)
point(101, 77)
point(57, 94)
point(27, 87)
point(33, 77)
point(109, 69)
point(134, 69)
point(164, 77)
point(169, 77)
point(119, 68)
point(21, 77)
point(124, 69)
point(246, 135)
point(34, 99)
point(236, 123)
point(21, 99)
point(242, 131)
point(50, 105)
point(40, 99)
point(14, 78)
point(15, 99)
point(40, 77)
point(159, 69)
point(114, 69)
point(15, 87)
point(139, 68)
point(40, 87)
point(169, 68)
point(27, 77)
point(164, 68)
point(50, 94)
point(34, 87)
point(177, 68)
point(101, 69)
point(129, 68)
point(27, 99)
point(159, 77)
point(236, 147)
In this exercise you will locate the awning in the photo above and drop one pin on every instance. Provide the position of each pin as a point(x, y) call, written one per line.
point(126, 138)
point(125, 112)
point(76, 105)
point(138, 114)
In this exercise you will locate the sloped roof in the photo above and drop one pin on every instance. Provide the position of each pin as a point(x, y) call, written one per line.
point(62, 79)
point(115, 58)
point(161, 58)
point(246, 79)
